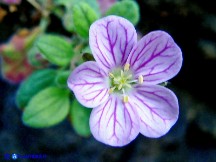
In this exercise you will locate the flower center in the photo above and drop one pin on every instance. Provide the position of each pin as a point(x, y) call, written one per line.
point(121, 81)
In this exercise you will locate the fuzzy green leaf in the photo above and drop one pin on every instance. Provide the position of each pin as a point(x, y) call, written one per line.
point(83, 16)
point(67, 18)
point(61, 78)
point(55, 49)
point(47, 108)
point(128, 9)
point(33, 84)
point(70, 3)
point(80, 118)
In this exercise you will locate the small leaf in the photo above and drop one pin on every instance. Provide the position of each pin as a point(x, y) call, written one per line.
point(61, 78)
point(128, 9)
point(83, 17)
point(47, 108)
point(33, 84)
point(68, 21)
point(80, 118)
point(55, 49)
point(70, 3)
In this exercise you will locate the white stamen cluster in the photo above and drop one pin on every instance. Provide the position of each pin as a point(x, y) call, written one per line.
point(122, 80)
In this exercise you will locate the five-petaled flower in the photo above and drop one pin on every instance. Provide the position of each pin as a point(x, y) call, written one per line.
point(121, 85)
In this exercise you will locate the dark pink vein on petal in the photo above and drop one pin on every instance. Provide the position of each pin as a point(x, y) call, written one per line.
point(107, 65)
point(141, 51)
point(114, 122)
point(105, 92)
point(155, 93)
point(148, 126)
point(153, 56)
point(151, 109)
point(164, 70)
point(111, 44)
point(88, 69)
point(99, 121)
point(96, 95)
point(131, 121)
point(86, 84)
point(126, 42)
point(93, 98)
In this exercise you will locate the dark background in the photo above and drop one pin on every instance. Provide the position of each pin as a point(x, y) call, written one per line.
point(192, 24)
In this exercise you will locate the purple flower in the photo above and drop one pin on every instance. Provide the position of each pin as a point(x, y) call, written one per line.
point(121, 85)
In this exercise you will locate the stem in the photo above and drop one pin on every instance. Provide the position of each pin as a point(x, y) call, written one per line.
point(44, 10)
point(35, 4)
point(44, 22)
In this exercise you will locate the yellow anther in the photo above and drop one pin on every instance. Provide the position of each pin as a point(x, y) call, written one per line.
point(111, 90)
point(126, 67)
point(140, 79)
point(125, 98)
point(111, 75)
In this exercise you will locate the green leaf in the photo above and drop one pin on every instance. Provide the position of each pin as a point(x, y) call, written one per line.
point(47, 108)
point(83, 17)
point(35, 58)
point(128, 9)
point(80, 118)
point(33, 84)
point(68, 21)
point(55, 49)
point(70, 3)
point(61, 78)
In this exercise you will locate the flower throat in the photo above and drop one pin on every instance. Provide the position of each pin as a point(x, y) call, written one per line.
point(121, 80)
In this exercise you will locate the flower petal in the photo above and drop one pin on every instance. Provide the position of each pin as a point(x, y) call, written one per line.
point(114, 122)
point(88, 84)
point(111, 40)
point(157, 57)
point(158, 109)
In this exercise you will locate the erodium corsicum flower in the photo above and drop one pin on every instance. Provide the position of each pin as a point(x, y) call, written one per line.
point(121, 85)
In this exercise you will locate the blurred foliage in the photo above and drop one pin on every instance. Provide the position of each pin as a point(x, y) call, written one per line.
point(15, 66)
